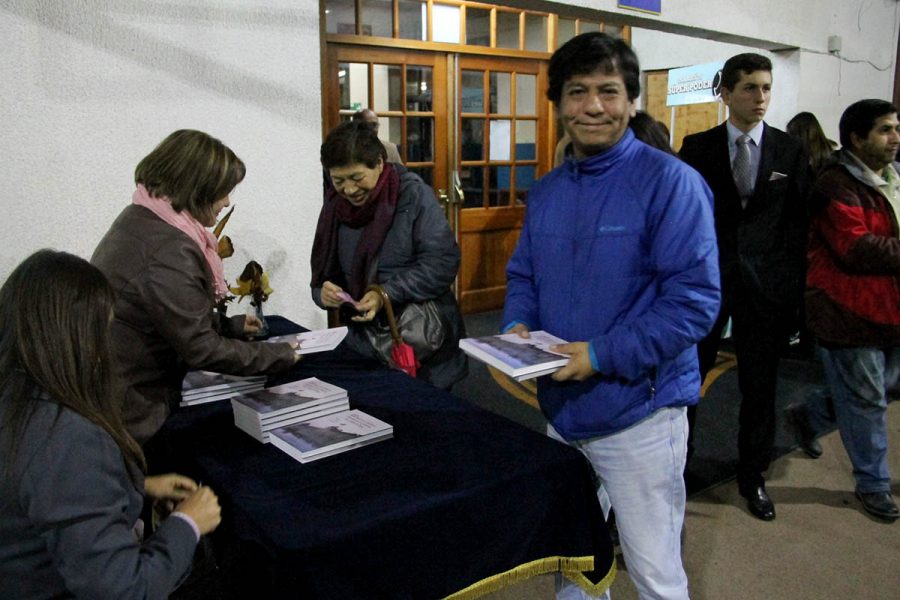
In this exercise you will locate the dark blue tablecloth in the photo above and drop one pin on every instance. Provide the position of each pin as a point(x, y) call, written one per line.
point(457, 497)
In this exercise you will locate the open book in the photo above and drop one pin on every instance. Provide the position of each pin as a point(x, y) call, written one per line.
point(520, 358)
point(320, 340)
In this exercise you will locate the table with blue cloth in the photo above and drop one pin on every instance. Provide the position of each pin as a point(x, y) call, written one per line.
point(460, 502)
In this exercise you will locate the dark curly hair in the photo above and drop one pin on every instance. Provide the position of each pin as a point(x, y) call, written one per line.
point(351, 143)
point(743, 63)
point(584, 54)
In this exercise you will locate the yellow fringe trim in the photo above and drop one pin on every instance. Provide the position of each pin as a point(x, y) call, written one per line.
point(724, 362)
point(526, 391)
point(572, 568)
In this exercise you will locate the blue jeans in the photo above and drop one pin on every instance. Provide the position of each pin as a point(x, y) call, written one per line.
point(858, 379)
point(641, 469)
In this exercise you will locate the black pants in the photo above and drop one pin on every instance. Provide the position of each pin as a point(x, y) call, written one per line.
point(760, 333)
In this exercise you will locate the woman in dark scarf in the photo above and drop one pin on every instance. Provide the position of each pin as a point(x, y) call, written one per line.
point(381, 224)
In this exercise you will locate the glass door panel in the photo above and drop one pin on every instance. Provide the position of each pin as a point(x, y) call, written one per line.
point(387, 83)
point(399, 87)
point(413, 16)
point(503, 137)
point(353, 79)
point(377, 18)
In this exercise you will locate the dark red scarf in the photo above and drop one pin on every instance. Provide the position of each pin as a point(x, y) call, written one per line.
point(375, 217)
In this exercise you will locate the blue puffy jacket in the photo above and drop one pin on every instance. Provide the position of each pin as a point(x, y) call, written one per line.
point(619, 250)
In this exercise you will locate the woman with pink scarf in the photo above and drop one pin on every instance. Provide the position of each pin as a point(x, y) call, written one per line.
point(162, 263)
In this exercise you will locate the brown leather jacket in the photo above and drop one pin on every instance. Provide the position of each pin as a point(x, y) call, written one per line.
point(164, 322)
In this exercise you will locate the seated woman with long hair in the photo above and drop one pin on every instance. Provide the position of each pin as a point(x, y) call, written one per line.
point(163, 264)
point(71, 477)
point(381, 224)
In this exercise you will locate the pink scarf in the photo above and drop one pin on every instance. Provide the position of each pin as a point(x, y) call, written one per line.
point(191, 227)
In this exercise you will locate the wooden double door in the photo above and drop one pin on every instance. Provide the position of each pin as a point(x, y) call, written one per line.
point(478, 129)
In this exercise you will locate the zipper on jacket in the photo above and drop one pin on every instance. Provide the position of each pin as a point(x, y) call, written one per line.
point(651, 380)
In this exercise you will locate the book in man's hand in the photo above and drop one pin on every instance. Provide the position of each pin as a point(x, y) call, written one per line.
point(319, 340)
point(200, 387)
point(264, 410)
point(520, 358)
point(333, 434)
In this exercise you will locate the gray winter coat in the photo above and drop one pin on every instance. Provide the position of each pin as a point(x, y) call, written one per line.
point(418, 261)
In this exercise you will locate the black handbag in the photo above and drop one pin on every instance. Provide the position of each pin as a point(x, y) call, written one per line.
point(420, 325)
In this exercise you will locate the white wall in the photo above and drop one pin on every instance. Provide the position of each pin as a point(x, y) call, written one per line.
point(806, 77)
point(89, 88)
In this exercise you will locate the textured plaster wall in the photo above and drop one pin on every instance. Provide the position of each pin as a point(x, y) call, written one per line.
point(89, 88)
point(806, 76)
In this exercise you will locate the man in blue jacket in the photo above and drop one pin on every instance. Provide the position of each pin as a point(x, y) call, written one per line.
point(618, 254)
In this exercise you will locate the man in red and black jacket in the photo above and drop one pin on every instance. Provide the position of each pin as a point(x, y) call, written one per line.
point(853, 293)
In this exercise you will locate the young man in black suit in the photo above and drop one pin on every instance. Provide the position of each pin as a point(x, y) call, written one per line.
point(759, 177)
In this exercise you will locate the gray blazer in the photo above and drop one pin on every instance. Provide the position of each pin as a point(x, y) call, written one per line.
point(67, 514)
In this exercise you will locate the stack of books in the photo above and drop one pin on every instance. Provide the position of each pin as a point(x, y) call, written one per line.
point(261, 412)
point(333, 434)
point(518, 357)
point(200, 387)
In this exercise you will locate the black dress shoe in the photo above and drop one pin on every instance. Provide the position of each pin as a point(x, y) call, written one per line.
point(759, 503)
point(879, 504)
point(797, 417)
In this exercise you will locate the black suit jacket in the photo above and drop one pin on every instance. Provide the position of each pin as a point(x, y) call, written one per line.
point(761, 247)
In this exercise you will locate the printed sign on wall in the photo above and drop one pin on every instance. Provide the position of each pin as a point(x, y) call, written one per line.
point(649, 6)
point(694, 85)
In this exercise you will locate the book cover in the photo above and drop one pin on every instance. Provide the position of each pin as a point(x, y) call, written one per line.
point(311, 387)
point(250, 424)
point(199, 387)
point(206, 382)
point(320, 340)
point(214, 396)
point(329, 435)
point(518, 357)
point(289, 397)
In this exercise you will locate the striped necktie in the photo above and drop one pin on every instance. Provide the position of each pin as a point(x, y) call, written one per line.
point(742, 170)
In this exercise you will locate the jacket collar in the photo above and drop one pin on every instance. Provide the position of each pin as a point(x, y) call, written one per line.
point(860, 171)
point(598, 164)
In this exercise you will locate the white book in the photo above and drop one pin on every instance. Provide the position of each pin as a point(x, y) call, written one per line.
point(241, 411)
point(329, 435)
point(260, 430)
point(289, 397)
point(251, 418)
point(200, 387)
point(320, 340)
point(518, 357)
point(357, 444)
point(311, 387)
point(204, 382)
point(215, 397)
point(238, 389)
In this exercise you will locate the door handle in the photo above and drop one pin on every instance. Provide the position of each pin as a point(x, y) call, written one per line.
point(457, 188)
